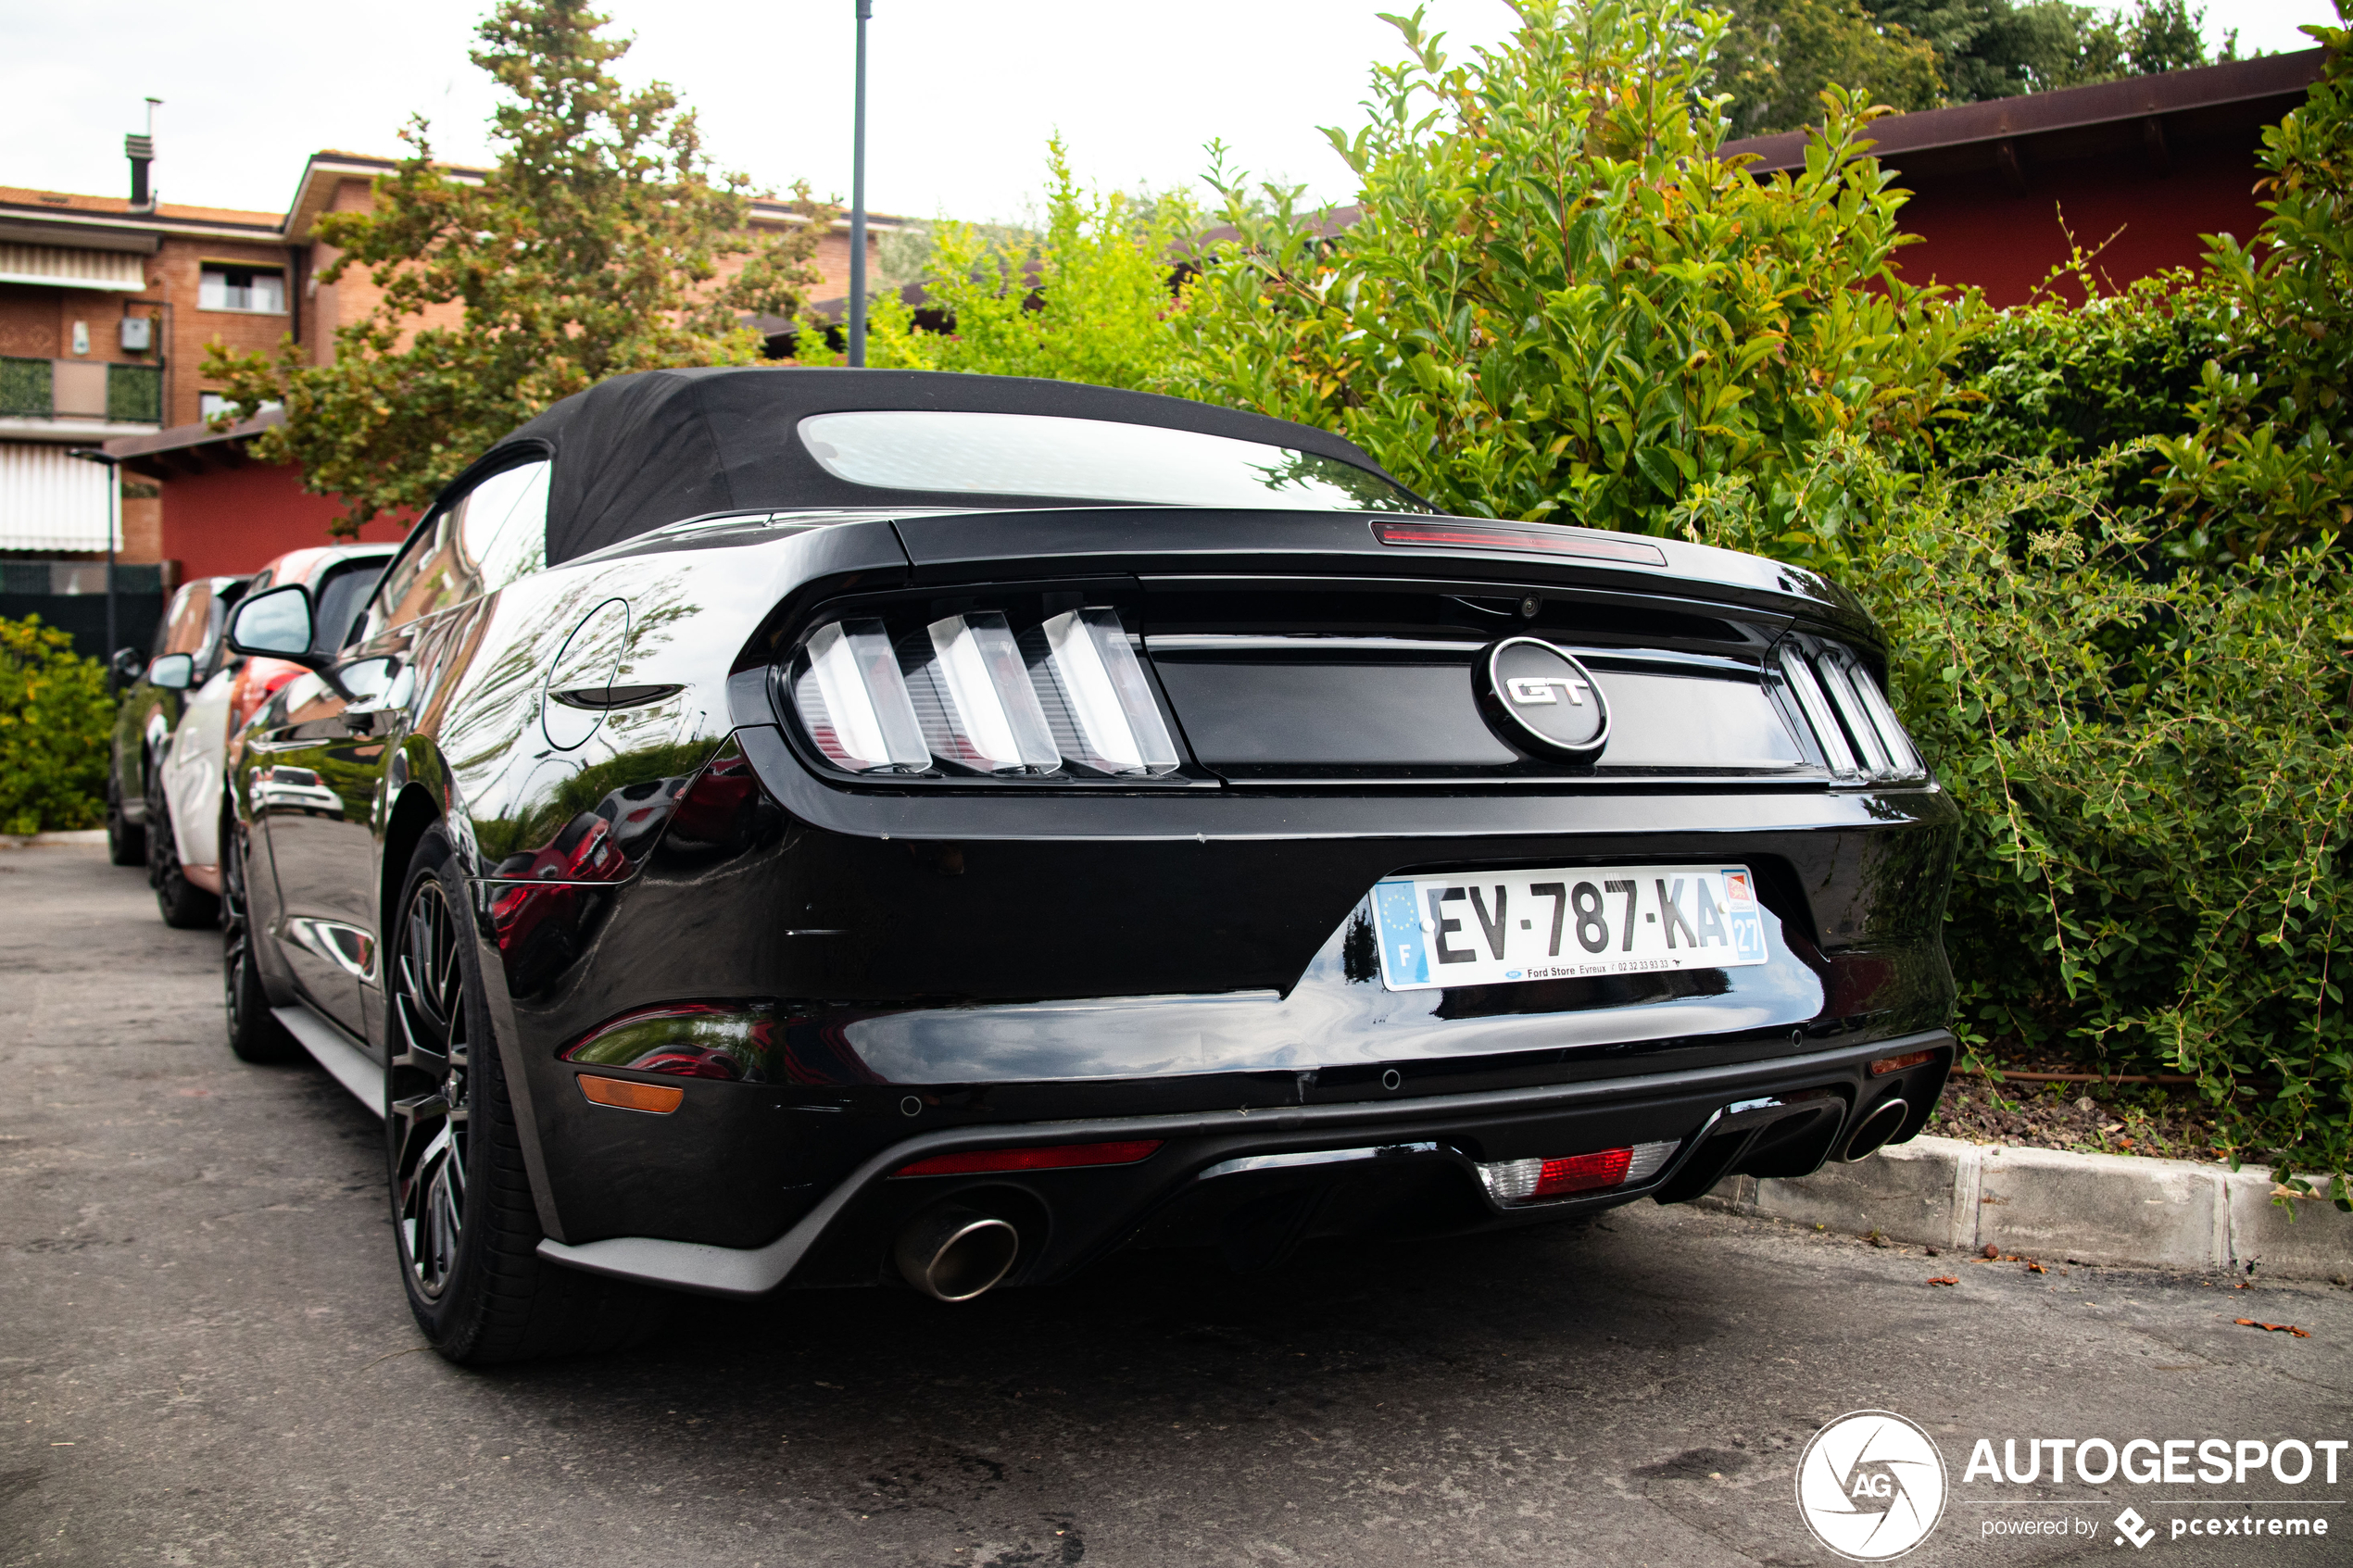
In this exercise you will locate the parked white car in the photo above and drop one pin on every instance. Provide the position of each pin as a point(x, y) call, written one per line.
point(183, 850)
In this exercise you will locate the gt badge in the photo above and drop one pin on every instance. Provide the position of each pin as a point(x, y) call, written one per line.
point(1541, 701)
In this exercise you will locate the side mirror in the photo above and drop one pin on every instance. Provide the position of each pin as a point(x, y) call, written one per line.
point(276, 625)
point(127, 666)
point(174, 672)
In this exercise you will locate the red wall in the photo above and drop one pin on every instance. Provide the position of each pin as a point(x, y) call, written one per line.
point(1976, 230)
point(229, 521)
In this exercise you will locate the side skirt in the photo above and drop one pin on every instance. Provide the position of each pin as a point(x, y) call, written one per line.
point(336, 1053)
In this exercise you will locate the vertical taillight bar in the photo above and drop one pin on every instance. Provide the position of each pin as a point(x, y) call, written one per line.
point(854, 700)
point(992, 720)
point(1111, 711)
point(1817, 712)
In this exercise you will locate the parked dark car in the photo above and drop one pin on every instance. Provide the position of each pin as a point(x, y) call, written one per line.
point(779, 827)
point(188, 650)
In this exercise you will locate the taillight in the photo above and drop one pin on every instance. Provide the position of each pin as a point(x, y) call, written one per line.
point(966, 694)
point(1850, 718)
point(1513, 1182)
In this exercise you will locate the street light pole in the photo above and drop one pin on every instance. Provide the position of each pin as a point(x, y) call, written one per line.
point(858, 200)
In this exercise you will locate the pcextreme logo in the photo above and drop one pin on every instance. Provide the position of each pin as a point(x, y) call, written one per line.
point(1871, 1486)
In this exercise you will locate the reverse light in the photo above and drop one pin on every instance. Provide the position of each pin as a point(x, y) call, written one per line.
point(1534, 1181)
point(1051, 1156)
point(1117, 724)
point(852, 697)
point(988, 713)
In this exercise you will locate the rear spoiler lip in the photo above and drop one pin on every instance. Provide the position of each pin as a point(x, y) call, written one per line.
point(1169, 542)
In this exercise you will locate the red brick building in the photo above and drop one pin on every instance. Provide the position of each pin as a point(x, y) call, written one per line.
point(2142, 166)
point(106, 307)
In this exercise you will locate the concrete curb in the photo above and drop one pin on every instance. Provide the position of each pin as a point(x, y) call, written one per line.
point(2090, 1208)
point(34, 840)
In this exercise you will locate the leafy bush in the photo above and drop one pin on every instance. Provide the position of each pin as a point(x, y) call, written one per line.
point(2154, 770)
point(2269, 466)
point(1560, 303)
point(2069, 381)
point(1088, 301)
point(54, 719)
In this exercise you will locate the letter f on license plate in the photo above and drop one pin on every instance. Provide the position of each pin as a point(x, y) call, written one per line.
point(1492, 928)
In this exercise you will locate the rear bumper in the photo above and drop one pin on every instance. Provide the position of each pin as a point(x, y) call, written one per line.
point(1391, 1165)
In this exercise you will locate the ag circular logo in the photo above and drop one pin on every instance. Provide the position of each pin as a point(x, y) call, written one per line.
point(1871, 1486)
point(1541, 700)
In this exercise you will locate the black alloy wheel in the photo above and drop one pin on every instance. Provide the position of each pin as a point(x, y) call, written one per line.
point(255, 1033)
point(465, 1226)
point(183, 904)
point(432, 1039)
point(126, 841)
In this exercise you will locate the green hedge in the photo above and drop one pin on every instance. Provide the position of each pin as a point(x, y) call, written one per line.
point(55, 722)
point(2100, 536)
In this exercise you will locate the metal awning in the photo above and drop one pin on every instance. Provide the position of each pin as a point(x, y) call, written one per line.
point(58, 267)
point(51, 500)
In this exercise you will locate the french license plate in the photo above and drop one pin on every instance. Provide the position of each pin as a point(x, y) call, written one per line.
point(1495, 928)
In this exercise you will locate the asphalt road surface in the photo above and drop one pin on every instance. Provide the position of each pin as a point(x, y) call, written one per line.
point(205, 1359)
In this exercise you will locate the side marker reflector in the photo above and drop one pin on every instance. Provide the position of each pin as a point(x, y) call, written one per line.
point(1887, 1064)
point(625, 1093)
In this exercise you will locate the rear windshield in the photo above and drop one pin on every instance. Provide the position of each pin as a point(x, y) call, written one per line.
point(1086, 460)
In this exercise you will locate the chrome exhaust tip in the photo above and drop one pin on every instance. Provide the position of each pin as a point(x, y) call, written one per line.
point(953, 1254)
point(1875, 1129)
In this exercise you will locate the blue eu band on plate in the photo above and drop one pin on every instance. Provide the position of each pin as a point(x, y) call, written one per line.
point(1493, 928)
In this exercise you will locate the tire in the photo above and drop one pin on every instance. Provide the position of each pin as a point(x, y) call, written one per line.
point(126, 841)
point(255, 1033)
point(183, 904)
point(465, 1230)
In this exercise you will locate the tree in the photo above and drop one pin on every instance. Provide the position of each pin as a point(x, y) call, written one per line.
point(1999, 48)
point(1779, 54)
point(1561, 303)
point(1086, 299)
point(596, 246)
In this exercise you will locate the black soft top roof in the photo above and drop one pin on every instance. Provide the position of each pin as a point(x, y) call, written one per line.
point(639, 451)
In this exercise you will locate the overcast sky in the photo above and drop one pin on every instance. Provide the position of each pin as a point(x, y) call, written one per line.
point(963, 93)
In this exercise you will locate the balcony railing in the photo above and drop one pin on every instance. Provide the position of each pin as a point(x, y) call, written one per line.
point(80, 389)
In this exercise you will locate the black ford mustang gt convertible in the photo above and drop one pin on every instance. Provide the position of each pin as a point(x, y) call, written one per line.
point(778, 827)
